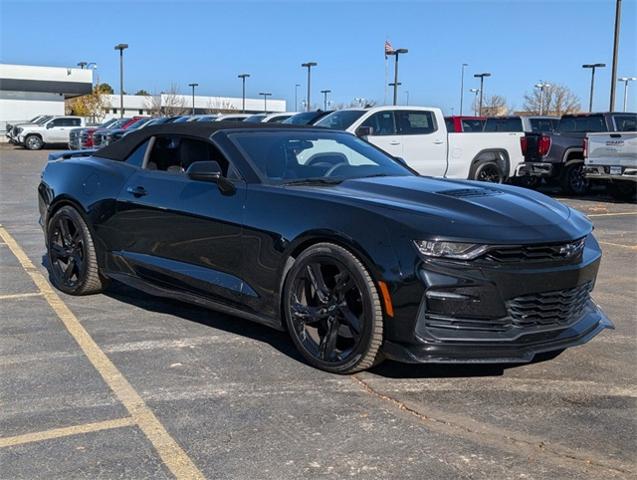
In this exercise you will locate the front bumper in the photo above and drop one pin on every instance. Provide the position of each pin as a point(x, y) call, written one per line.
point(602, 172)
point(498, 312)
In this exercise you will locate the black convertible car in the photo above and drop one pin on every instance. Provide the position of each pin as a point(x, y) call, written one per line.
point(318, 233)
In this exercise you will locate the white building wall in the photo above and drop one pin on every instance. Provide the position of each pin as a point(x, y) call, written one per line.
point(52, 74)
point(20, 106)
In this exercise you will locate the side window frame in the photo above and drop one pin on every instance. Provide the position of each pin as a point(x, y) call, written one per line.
point(375, 134)
point(432, 117)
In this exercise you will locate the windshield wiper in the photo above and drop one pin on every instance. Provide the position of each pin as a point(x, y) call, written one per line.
point(314, 181)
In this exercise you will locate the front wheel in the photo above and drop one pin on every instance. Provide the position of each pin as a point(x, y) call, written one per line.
point(33, 142)
point(71, 254)
point(332, 310)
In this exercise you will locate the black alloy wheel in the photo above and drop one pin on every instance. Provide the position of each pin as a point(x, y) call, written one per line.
point(71, 254)
point(332, 310)
point(573, 180)
point(489, 172)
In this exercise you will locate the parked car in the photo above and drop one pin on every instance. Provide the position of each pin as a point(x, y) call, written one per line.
point(457, 124)
point(611, 158)
point(521, 124)
point(101, 136)
point(419, 136)
point(115, 134)
point(54, 131)
point(357, 260)
point(269, 117)
point(12, 129)
point(307, 118)
point(231, 117)
point(559, 155)
point(82, 138)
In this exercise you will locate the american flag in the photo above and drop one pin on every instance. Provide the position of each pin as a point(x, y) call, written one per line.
point(389, 50)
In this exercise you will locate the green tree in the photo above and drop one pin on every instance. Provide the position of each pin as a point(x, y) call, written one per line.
point(105, 88)
point(142, 93)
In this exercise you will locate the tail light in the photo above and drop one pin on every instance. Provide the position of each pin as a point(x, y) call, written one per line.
point(524, 145)
point(585, 147)
point(543, 145)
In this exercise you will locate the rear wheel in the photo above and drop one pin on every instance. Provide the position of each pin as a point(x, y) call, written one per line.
point(332, 310)
point(488, 172)
point(33, 142)
point(624, 191)
point(71, 254)
point(573, 181)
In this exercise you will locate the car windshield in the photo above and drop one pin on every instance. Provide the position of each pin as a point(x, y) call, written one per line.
point(255, 118)
point(119, 123)
point(340, 120)
point(138, 123)
point(582, 124)
point(44, 119)
point(292, 157)
point(304, 118)
point(503, 124)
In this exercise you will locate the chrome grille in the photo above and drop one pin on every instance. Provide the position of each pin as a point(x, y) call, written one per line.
point(558, 307)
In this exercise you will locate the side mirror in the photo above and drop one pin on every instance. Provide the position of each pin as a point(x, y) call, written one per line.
point(364, 131)
point(49, 125)
point(210, 171)
point(401, 160)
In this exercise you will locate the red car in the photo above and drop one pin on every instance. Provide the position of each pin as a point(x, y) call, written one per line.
point(458, 123)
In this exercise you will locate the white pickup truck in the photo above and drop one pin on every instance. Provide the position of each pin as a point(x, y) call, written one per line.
point(611, 158)
point(56, 130)
point(419, 136)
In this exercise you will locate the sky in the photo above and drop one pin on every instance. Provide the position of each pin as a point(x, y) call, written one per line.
point(210, 42)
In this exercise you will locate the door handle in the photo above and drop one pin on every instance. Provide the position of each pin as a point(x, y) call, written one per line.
point(394, 143)
point(438, 142)
point(137, 191)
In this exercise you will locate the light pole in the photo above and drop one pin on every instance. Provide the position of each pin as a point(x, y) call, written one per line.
point(395, 84)
point(592, 66)
point(296, 96)
point(82, 65)
point(626, 80)
point(193, 85)
point(475, 91)
point(464, 65)
point(121, 47)
point(542, 86)
point(325, 92)
point(407, 97)
point(243, 77)
point(309, 66)
point(481, 77)
point(613, 79)
point(265, 100)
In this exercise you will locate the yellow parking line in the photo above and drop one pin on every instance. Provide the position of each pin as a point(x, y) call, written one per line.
point(610, 214)
point(20, 295)
point(168, 449)
point(66, 431)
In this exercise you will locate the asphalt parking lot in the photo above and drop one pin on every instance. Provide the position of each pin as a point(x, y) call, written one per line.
point(124, 385)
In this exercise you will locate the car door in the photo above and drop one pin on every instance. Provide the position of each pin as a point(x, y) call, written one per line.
point(55, 130)
point(384, 133)
point(180, 233)
point(424, 142)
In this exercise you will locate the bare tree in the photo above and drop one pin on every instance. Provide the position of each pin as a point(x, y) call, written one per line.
point(555, 100)
point(492, 105)
point(168, 103)
point(218, 105)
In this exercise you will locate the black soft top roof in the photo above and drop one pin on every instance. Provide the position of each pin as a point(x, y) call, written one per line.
point(121, 149)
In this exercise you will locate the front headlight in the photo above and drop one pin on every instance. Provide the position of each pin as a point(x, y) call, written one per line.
point(457, 250)
point(19, 130)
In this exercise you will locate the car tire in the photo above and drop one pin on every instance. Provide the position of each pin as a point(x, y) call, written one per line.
point(488, 172)
point(624, 191)
point(332, 310)
point(33, 142)
point(573, 181)
point(71, 255)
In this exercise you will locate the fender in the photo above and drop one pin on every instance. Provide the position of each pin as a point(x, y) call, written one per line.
point(502, 159)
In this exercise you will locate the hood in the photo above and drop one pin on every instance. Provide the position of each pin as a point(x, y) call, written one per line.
point(466, 210)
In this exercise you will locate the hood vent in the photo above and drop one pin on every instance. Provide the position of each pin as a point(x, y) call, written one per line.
point(470, 192)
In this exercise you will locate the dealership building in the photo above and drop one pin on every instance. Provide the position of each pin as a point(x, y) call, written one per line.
point(27, 91)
